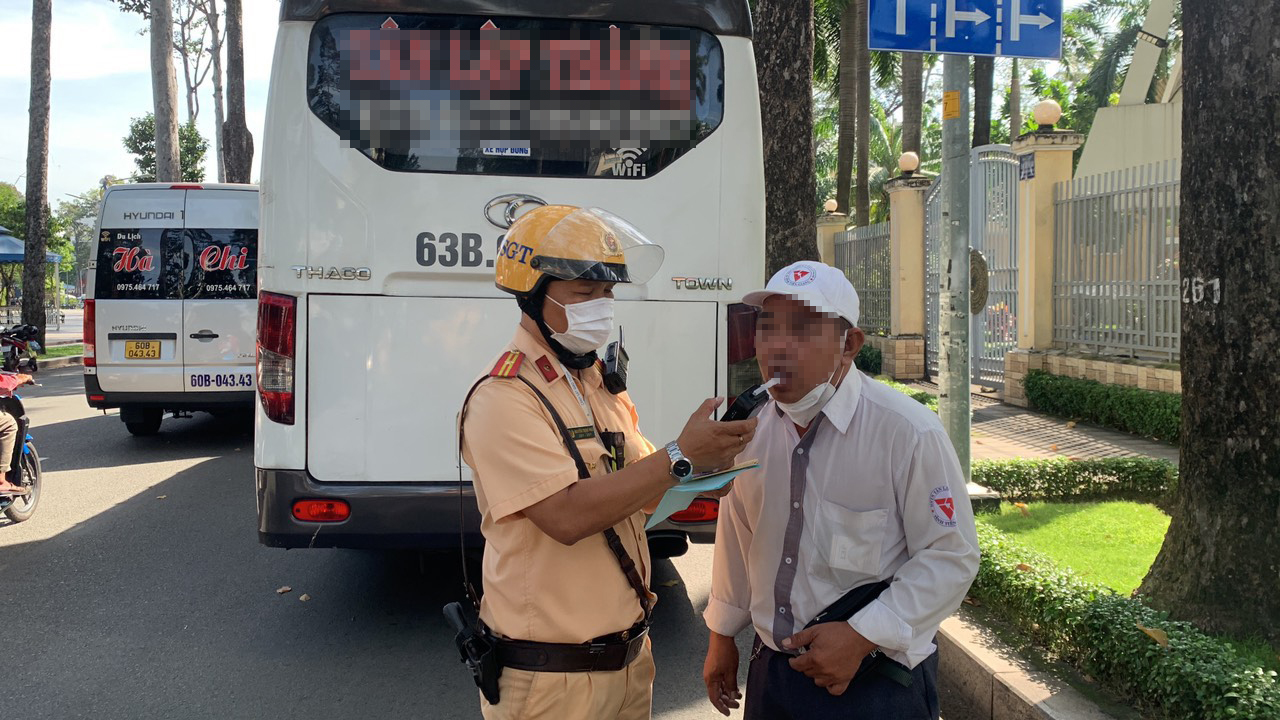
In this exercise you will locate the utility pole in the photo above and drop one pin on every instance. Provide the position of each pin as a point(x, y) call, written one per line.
point(953, 301)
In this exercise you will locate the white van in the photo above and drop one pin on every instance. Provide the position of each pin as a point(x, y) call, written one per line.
point(402, 138)
point(171, 304)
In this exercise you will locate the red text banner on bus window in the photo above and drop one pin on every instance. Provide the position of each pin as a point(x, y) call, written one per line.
point(436, 93)
point(494, 62)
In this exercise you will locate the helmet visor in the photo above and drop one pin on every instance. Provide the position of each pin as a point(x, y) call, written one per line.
point(594, 244)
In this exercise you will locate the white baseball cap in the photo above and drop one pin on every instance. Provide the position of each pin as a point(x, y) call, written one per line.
point(819, 286)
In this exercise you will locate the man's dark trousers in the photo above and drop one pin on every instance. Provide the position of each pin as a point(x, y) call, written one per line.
point(777, 692)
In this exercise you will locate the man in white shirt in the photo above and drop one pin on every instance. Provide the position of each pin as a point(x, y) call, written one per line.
point(857, 484)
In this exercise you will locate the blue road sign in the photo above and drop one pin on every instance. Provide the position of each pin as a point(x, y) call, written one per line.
point(1006, 28)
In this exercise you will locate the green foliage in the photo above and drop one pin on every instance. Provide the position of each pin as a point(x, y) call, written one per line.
point(13, 210)
point(141, 142)
point(923, 397)
point(869, 360)
point(1143, 412)
point(1062, 478)
point(1193, 677)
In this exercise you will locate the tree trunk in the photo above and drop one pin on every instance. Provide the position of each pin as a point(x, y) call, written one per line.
point(1221, 558)
point(188, 73)
point(912, 100)
point(219, 111)
point(237, 143)
point(784, 61)
point(1015, 103)
point(862, 191)
point(164, 91)
point(984, 73)
point(847, 132)
point(33, 265)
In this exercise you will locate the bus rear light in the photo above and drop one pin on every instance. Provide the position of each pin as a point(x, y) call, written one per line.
point(702, 510)
point(742, 333)
point(277, 333)
point(321, 510)
point(90, 336)
point(97, 398)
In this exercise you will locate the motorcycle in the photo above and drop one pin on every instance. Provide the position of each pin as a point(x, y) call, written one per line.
point(25, 465)
point(18, 345)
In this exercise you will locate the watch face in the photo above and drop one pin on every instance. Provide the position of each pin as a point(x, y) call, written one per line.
point(683, 468)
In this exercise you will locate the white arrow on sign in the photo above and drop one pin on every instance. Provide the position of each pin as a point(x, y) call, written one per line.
point(977, 17)
point(1040, 20)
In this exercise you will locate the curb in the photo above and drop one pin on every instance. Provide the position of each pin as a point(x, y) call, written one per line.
point(996, 684)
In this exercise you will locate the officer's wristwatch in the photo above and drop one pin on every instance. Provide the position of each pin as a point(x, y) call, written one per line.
point(681, 468)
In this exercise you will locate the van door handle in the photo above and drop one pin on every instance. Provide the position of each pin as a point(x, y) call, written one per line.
point(204, 335)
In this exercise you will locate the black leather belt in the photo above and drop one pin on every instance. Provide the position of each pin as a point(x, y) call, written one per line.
point(604, 654)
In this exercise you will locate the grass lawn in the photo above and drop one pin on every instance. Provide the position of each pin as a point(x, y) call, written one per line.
point(1112, 543)
point(64, 351)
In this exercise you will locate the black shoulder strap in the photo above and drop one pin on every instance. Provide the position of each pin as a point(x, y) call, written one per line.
point(610, 535)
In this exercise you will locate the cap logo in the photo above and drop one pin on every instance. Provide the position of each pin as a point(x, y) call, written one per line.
point(802, 275)
point(611, 244)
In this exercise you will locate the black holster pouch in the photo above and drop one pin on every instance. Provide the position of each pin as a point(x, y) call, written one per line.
point(846, 607)
point(478, 648)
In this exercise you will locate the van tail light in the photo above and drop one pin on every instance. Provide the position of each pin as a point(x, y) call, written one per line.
point(186, 187)
point(702, 510)
point(321, 510)
point(90, 335)
point(277, 334)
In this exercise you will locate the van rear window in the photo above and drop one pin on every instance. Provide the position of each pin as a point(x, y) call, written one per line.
point(222, 265)
point(139, 264)
point(515, 96)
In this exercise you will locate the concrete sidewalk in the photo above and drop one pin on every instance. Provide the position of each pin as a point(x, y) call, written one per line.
point(1003, 431)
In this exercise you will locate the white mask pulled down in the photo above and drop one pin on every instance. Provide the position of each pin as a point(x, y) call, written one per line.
point(590, 325)
point(803, 411)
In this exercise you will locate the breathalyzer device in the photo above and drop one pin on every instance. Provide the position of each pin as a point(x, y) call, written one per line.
point(747, 402)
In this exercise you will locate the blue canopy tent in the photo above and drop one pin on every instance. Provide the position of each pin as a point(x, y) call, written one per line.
point(14, 251)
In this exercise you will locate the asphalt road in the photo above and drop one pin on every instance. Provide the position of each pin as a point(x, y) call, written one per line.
point(139, 590)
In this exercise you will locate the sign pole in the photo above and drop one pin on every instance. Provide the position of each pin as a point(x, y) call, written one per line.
point(953, 301)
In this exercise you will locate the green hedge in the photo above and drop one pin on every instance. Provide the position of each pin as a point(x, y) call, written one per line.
point(1061, 478)
point(869, 360)
point(1196, 677)
point(923, 397)
point(1144, 412)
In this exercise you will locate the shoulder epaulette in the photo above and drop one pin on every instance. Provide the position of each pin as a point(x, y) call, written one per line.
point(508, 365)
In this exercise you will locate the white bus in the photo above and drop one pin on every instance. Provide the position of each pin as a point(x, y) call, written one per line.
point(399, 145)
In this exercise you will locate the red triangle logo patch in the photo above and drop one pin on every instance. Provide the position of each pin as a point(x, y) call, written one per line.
point(948, 507)
point(390, 24)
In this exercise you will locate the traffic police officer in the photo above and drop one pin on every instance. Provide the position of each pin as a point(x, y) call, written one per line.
point(562, 477)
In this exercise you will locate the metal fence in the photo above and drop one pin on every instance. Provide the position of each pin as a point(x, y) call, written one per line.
point(993, 217)
point(1115, 289)
point(864, 256)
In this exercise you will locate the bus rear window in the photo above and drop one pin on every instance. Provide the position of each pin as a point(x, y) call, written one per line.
point(515, 96)
point(223, 264)
point(139, 264)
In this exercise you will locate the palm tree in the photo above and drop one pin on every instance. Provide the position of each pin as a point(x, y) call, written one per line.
point(912, 100)
point(862, 197)
point(984, 73)
point(37, 195)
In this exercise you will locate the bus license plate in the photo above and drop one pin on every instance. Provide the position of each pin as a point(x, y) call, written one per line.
point(220, 381)
point(142, 350)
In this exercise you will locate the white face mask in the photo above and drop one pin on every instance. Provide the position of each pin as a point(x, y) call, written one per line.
point(803, 411)
point(590, 325)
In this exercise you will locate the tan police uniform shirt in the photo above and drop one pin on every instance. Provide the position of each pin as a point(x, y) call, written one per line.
point(536, 588)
